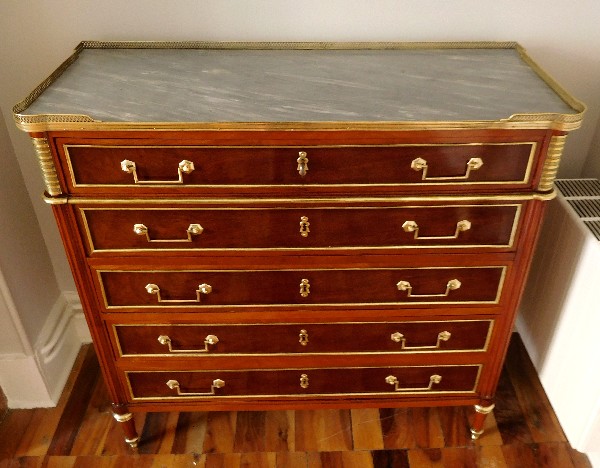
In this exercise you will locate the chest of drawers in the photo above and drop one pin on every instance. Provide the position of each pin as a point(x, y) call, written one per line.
point(299, 225)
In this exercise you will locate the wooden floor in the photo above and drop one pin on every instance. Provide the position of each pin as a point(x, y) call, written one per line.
point(80, 432)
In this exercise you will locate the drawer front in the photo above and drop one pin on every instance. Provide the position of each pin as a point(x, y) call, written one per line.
point(154, 229)
point(301, 338)
point(390, 381)
point(126, 166)
point(165, 290)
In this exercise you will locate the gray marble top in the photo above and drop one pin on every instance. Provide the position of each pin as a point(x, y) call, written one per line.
point(195, 85)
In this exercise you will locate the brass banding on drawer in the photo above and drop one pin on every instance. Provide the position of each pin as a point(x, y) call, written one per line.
point(135, 289)
point(173, 339)
point(196, 230)
point(260, 383)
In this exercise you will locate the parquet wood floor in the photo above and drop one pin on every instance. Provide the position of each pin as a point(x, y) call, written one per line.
point(523, 432)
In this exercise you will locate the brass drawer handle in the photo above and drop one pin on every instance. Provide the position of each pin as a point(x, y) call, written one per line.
point(461, 226)
point(303, 337)
point(304, 288)
point(392, 380)
point(304, 226)
point(217, 383)
point(420, 164)
point(304, 381)
point(184, 167)
point(302, 163)
point(192, 230)
point(203, 288)
point(451, 286)
point(400, 338)
point(208, 341)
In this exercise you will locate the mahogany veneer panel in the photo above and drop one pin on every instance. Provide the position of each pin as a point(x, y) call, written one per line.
point(272, 288)
point(112, 228)
point(284, 382)
point(347, 165)
point(318, 338)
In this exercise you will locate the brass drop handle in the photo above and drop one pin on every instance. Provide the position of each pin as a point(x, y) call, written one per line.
point(203, 288)
point(304, 381)
point(217, 383)
point(398, 337)
point(392, 380)
point(304, 226)
point(406, 286)
point(303, 337)
point(304, 288)
point(420, 164)
point(192, 230)
point(461, 226)
point(302, 163)
point(208, 341)
point(184, 167)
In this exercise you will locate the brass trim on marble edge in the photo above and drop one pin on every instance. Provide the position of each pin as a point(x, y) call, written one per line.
point(555, 150)
point(117, 341)
point(452, 182)
point(303, 395)
point(48, 122)
point(510, 244)
point(509, 197)
point(49, 173)
point(499, 290)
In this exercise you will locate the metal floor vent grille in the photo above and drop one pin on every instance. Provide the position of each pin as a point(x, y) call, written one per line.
point(579, 187)
point(583, 195)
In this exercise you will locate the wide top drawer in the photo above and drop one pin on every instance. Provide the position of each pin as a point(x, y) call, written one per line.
point(125, 167)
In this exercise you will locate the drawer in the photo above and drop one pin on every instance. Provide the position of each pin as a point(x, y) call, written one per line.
point(302, 338)
point(122, 166)
point(173, 228)
point(385, 381)
point(190, 289)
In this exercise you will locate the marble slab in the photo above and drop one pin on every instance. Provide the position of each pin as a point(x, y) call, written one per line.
point(195, 85)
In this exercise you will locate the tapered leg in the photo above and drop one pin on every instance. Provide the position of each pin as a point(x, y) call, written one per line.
point(122, 416)
point(481, 412)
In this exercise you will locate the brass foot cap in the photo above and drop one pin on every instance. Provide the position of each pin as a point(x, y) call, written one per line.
point(133, 443)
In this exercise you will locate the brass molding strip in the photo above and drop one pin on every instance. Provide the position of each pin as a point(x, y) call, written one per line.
point(291, 45)
point(123, 417)
point(484, 409)
point(555, 150)
point(42, 151)
point(305, 201)
point(48, 122)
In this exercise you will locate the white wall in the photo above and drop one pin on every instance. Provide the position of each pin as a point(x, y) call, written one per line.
point(31, 283)
point(35, 36)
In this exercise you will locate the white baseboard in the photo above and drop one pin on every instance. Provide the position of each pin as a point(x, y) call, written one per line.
point(37, 381)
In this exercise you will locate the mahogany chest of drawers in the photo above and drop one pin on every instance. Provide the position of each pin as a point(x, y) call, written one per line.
point(299, 225)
